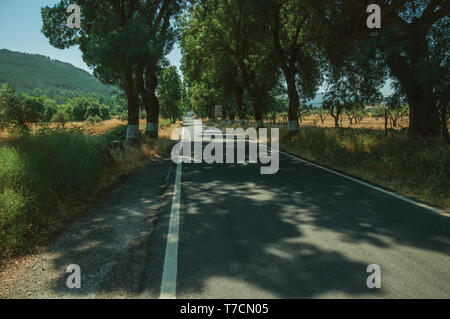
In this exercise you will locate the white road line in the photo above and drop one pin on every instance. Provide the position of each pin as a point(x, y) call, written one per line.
point(403, 198)
point(169, 277)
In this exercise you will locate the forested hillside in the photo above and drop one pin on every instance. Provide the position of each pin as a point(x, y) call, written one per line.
point(29, 71)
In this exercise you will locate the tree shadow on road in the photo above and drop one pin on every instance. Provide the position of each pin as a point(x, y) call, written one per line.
point(302, 233)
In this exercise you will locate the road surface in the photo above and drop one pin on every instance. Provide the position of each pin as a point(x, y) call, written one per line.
point(234, 233)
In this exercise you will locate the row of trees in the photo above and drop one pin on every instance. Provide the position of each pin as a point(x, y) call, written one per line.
point(18, 112)
point(125, 42)
point(240, 53)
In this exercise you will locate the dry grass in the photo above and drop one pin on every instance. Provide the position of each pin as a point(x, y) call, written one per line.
point(366, 123)
point(414, 168)
point(127, 159)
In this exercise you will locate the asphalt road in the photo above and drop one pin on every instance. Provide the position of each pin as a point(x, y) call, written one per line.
point(303, 233)
point(234, 233)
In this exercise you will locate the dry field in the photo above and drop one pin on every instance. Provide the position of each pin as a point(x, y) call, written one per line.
point(366, 123)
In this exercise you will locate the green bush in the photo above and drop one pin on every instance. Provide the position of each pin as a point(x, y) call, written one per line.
point(123, 116)
point(91, 120)
point(50, 108)
point(16, 113)
point(37, 170)
point(60, 117)
point(78, 108)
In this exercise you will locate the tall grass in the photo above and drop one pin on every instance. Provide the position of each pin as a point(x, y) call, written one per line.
point(37, 170)
point(417, 168)
point(48, 175)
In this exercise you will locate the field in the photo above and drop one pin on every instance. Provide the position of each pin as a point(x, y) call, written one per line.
point(366, 123)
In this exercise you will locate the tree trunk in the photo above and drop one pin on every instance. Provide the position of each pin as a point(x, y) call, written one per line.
point(131, 93)
point(240, 104)
point(294, 101)
point(444, 126)
point(385, 122)
point(336, 120)
point(424, 117)
point(153, 107)
point(257, 111)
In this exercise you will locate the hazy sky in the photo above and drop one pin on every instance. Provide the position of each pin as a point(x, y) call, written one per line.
point(20, 30)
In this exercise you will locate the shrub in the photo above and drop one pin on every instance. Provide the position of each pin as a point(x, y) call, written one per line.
point(123, 116)
point(50, 108)
point(91, 120)
point(61, 117)
point(78, 108)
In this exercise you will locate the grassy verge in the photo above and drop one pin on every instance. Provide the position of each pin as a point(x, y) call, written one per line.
point(54, 175)
point(415, 168)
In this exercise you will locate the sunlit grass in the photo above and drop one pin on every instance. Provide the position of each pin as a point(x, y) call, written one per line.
point(415, 168)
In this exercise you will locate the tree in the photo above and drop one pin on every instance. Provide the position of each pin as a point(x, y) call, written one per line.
point(122, 40)
point(159, 36)
point(207, 60)
point(36, 105)
point(231, 39)
point(411, 43)
point(16, 114)
point(169, 93)
point(291, 25)
point(107, 36)
point(60, 117)
point(50, 108)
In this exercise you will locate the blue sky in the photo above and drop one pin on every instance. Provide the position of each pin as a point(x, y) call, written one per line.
point(20, 30)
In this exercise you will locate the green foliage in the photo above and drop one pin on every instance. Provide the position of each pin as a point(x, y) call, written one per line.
point(60, 117)
point(412, 45)
point(36, 170)
point(50, 108)
point(13, 221)
point(169, 93)
point(93, 119)
point(123, 43)
point(16, 114)
point(29, 71)
point(80, 109)
point(226, 51)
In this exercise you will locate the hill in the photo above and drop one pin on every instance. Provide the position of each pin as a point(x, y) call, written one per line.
point(29, 71)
